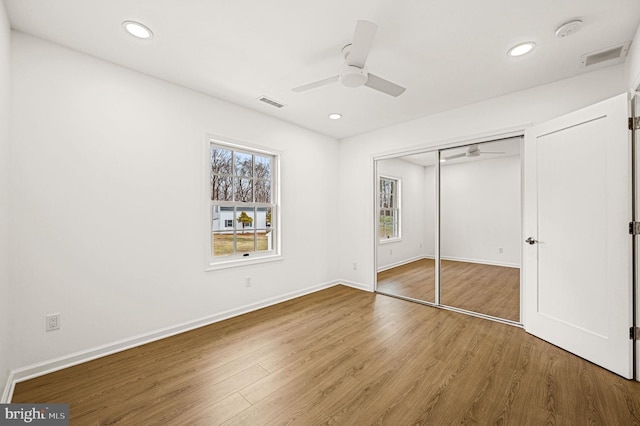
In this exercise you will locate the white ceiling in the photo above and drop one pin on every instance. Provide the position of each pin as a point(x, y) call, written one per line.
point(447, 53)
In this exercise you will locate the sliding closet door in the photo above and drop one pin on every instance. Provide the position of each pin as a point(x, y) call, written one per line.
point(406, 216)
point(480, 228)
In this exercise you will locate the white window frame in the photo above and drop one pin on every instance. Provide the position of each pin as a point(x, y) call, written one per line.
point(397, 208)
point(241, 259)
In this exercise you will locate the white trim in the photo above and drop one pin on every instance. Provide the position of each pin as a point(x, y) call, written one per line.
point(453, 259)
point(403, 262)
point(388, 240)
point(481, 261)
point(353, 284)
point(45, 367)
point(8, 389)
point(243, 262)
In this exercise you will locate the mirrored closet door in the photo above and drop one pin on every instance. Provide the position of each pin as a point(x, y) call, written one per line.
point(480, 221)
point(449, 227)
point(406, 201)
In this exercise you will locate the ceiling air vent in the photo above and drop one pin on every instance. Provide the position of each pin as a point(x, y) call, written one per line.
point(270, 102)
point(610, 56)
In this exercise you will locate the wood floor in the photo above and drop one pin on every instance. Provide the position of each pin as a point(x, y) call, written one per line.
point(342, 357)
point(487, 289)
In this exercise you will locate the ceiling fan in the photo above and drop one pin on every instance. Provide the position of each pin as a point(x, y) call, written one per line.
point(354, 72)
point(473, 151)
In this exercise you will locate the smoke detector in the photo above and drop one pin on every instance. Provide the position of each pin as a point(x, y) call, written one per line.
point(569, 28)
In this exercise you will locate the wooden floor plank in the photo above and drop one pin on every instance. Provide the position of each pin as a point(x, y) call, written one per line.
point(342, 357)
point(486, 289)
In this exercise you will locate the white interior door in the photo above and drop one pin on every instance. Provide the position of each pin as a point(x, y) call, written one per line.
point(578, 264)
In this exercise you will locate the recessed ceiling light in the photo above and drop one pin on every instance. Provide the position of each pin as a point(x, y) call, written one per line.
point(335, 116)
point(521, 49)
point(138, 30)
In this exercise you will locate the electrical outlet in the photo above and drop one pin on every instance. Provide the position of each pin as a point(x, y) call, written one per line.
point(52, 322)
point(390, 251)
point(355, 266)
point(500, 250)
point(247, 282)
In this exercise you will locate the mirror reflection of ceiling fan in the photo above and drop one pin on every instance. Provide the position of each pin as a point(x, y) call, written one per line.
point(473, 151)
point(354, 72)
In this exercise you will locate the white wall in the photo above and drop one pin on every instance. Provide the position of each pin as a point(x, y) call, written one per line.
point(633, 63)
point(107, 183)
point(484, 118)
point(6, 342)
point(412, 211)
point(480, 211)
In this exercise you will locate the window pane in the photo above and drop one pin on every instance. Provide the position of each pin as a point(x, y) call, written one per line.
point(263, 217)
point(222, 243)
point(245, 219)
point(221, 188)
point(385, 219)
point(385, 201)
point(263, 167)
point(263, 191)
point(245, 242)
point(215, 218)
point(264, 234)
point(220, 161)
point(243, 164)
point(243, 190)
point(264, 240)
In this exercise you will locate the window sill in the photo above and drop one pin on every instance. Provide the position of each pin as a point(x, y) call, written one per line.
point(390, 240)
point(214, 266)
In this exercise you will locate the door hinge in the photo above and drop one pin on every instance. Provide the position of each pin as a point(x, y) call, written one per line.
point(634, 123)
point(634, 333)
point(634, 228)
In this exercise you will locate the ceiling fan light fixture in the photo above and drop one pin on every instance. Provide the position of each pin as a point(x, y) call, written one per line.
point(137, 30)
point(521, 49)
point(335, 116)
point(352, 76)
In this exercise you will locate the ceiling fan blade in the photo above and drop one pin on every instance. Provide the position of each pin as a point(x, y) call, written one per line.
point(361, 44)
point(455, 156)
point(315, 84)
point(384, 86)
point(492, 152)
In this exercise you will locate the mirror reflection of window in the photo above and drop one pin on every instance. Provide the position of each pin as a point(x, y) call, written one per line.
point(406, 244)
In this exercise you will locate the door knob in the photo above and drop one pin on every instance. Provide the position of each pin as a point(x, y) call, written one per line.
point(530, 240)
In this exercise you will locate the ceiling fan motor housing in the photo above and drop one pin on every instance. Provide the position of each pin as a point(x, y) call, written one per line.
point(352, 76)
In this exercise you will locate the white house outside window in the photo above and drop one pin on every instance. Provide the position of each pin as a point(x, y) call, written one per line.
point(243, 203)
point(389, 208)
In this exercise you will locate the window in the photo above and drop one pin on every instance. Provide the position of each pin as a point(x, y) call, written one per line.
point(243, 205)
point(389, 208)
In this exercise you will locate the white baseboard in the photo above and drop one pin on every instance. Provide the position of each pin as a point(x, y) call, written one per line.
point(455, 259)
point(353, 284)
point(481, 261)
point(402, 262)
point(30, 371)
point(8, 389)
